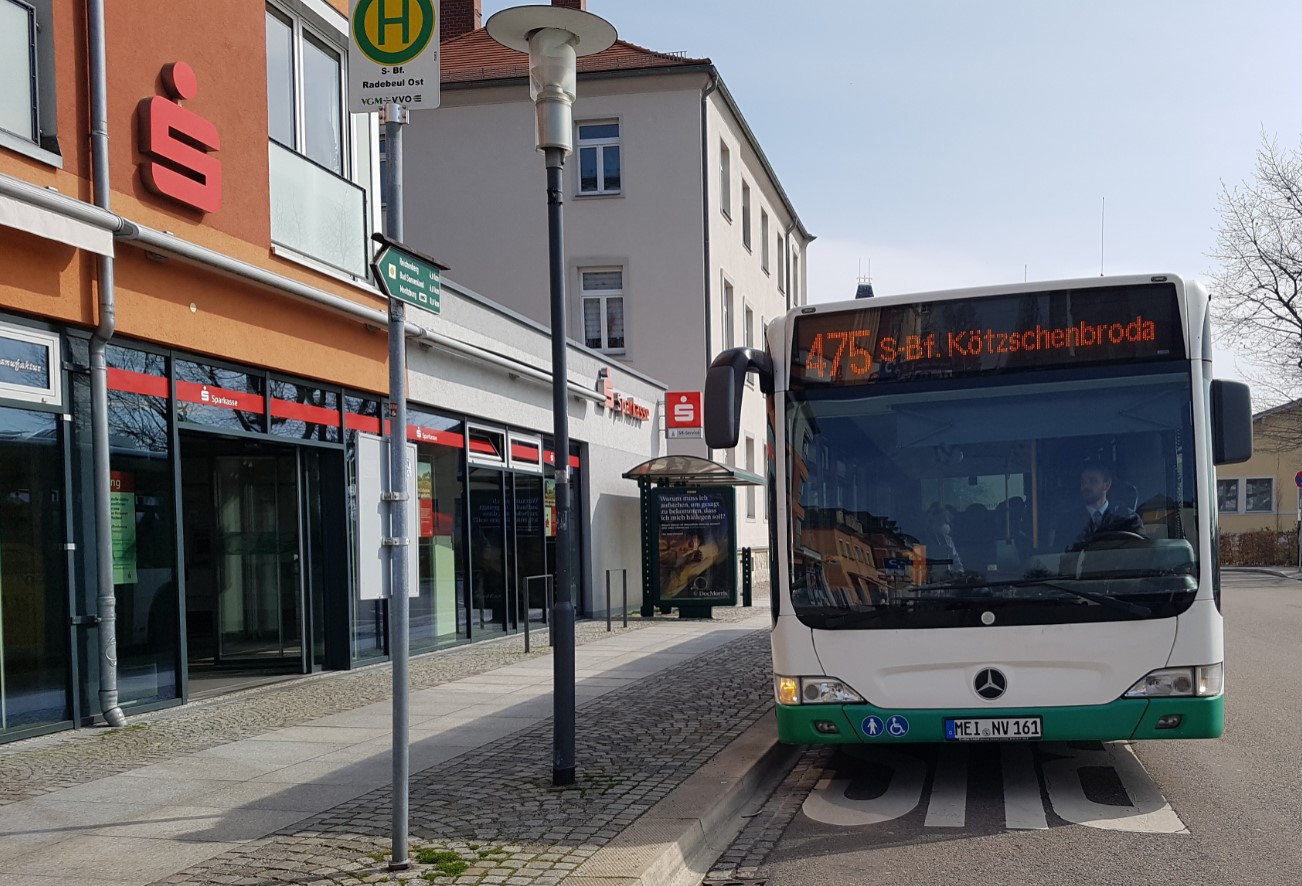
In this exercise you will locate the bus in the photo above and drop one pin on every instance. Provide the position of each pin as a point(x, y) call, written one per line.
point(943, 565)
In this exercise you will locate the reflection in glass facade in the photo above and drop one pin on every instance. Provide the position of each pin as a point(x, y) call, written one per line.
point(304, 412)
point(34, 651)
point(221, 398)
point(143, 503)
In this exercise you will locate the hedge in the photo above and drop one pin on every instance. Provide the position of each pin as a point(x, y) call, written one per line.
point(1260, 547)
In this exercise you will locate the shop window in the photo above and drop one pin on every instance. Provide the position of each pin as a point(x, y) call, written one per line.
point(304, 412)
point(29, 365)
point(362, 414)
point(27, 94)
point(599, 158)
point(487, 445)
point(603, 309)
point(143, 496)
point(438, 615)
point(223, 398)
point(526, 453)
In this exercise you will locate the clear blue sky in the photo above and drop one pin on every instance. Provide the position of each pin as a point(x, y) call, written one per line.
point(956, 143)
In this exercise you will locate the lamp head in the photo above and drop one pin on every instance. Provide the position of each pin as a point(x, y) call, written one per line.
point(555, 37)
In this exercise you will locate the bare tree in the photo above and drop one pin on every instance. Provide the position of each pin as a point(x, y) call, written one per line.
point(1257, 287)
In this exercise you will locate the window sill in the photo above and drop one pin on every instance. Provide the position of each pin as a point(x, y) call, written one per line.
point(598, 195)
point(29, 149)
point(310, 263)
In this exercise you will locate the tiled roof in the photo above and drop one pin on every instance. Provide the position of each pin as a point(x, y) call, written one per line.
point(475, 56)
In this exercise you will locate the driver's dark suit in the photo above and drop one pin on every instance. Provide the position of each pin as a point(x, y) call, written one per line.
point(1078, 525)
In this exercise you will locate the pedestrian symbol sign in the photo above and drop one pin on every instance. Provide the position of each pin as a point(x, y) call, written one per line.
point(393, 54)
point(872, 726)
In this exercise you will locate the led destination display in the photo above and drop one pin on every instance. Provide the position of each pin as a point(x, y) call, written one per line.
point(979, 336)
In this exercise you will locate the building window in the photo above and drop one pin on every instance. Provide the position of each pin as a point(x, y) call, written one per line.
point(603, 309)
point(1227, 496)
point(764, 240)
point(780, 253)
point(750, 468)
point(748, 338)
point(726, 317)
point(599, 159)
point(304, 91)
point(795, 279)
point(745, 215)
point(1259, 495)
point(725, 180)
point(27, 98)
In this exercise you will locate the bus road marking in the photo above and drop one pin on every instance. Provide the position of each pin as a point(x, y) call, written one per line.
point(1023, 808)
point(1147, 811)
point(827, 802)
point(947, 807)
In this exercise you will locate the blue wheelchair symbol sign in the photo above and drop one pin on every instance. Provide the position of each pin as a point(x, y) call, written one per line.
point(897, 726)
point(873, 726)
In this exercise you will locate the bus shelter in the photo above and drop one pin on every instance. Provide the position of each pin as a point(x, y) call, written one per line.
point(689, 533)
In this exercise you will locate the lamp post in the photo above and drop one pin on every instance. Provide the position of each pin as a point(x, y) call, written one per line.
point(555, 37)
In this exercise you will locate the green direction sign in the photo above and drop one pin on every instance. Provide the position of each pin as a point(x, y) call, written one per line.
point(414, 280)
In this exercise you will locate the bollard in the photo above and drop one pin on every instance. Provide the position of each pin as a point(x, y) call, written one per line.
point(746, 564)
point(609, 611)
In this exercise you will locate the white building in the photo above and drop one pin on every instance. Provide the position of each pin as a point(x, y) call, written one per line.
point(679, 239)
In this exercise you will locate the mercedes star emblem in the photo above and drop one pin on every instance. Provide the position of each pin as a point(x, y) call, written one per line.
point(990, 683)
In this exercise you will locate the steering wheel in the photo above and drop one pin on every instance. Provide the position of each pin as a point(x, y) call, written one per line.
point(1117, 535)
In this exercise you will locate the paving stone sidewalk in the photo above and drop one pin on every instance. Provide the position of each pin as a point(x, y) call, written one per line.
point(491, 816)
point(50, 763)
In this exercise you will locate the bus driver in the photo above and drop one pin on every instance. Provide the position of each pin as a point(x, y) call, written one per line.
point(1096, 514)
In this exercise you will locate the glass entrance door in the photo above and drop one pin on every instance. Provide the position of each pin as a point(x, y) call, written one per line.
point(489, 559)
point(243, 544)
point(530, 554)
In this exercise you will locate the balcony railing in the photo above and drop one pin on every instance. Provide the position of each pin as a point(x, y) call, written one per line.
point(316, 213)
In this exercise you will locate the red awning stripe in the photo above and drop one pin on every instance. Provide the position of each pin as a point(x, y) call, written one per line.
point(355, 421)
point(306, 412)
point(137, 383)
point(421, 434)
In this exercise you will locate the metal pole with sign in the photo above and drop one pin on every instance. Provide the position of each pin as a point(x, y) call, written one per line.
point(393, 66)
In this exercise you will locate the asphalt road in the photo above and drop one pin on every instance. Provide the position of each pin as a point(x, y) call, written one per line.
point(1225, 811)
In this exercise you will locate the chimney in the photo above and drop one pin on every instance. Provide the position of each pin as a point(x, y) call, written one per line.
point(581, 5)
point(460, 17)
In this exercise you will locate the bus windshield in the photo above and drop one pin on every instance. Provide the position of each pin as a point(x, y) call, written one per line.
point(1051, 497)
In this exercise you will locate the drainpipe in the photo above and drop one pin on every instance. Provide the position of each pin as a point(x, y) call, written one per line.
point(107, 602)
point(710, 87)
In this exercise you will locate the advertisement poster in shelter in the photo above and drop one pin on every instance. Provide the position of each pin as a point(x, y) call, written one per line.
point(696, 533)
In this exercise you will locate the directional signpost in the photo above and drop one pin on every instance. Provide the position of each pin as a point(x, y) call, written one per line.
point(406, 274)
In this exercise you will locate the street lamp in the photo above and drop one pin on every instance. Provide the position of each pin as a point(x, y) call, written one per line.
point(555, 37)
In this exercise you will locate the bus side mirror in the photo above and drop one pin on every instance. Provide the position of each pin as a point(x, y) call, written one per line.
point(723, 387)
point(1231, 422)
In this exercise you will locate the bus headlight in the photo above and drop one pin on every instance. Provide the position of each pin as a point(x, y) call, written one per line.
point(1203, 681)
point(814, 690)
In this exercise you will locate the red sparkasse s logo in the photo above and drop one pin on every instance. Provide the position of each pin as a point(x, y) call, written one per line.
point(684, 409)
point(179, 145)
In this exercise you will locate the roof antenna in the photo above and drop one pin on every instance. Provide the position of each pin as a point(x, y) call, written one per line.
point(1103, 215)
point(865, 289)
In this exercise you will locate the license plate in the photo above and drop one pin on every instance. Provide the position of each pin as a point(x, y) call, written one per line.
point(993, 729)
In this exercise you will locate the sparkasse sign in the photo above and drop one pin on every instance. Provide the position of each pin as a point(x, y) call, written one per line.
point(393, 54)
point(683, 415)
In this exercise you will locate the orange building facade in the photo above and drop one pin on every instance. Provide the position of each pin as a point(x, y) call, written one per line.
point(186, 211)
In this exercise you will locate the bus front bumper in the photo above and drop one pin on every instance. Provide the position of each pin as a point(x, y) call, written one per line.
point(1127, 718)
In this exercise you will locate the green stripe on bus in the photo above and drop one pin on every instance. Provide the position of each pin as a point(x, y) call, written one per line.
point(1131, 718)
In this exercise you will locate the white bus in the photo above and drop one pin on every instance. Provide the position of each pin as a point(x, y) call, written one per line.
point(993, 512)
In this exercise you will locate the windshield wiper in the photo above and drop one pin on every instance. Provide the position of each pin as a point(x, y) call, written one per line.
point(1102, 599)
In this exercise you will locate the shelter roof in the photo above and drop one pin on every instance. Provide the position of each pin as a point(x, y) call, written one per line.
point(691, 470)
